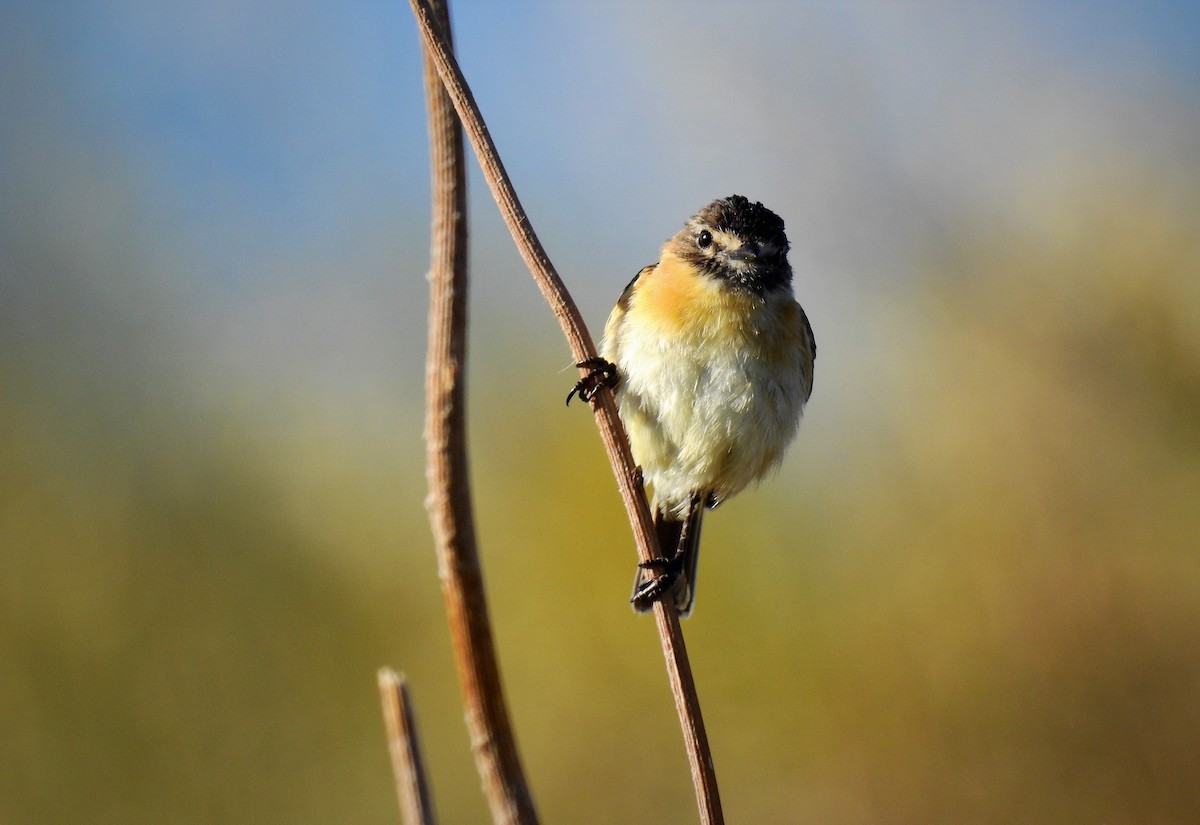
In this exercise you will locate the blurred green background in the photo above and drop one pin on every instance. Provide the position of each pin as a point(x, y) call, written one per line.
point(971, 595)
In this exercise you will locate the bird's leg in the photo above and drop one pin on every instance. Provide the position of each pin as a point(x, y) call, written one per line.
point(601, 373)
point(668, 569)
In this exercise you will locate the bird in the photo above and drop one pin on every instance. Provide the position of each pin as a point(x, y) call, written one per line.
point(710, 358)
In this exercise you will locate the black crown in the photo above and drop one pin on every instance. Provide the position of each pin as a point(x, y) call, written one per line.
point(748, 220)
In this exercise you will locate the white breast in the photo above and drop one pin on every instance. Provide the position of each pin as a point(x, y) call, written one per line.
point(708, 412)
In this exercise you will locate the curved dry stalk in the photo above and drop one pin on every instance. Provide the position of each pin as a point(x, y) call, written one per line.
point(612, 433)
point(408, 767)
point(449, 501)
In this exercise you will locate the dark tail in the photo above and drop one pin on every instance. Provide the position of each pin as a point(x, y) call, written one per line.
point(683, 550)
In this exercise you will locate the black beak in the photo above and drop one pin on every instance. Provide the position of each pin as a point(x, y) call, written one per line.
point(747, 252)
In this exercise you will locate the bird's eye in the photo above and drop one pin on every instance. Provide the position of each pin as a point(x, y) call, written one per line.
point(704, 239)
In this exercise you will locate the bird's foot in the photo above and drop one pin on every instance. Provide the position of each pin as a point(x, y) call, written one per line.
point(601, 373)
point(666, 573)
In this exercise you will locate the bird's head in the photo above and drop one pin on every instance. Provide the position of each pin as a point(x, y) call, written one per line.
point(740, 242)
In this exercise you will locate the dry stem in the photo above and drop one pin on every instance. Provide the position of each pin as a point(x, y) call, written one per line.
point(611, 431)
point(449, 502)
point(412, 786)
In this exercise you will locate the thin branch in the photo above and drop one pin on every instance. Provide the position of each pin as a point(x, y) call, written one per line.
point(612, 433)
point(412, 787)
point(449, 502)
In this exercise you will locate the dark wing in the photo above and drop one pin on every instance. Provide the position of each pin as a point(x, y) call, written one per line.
point(810, 361)
point(627, 293)
point(613, 324)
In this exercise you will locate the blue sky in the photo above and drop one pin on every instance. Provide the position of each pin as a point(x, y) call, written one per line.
point(265, 166)
point(287, 108)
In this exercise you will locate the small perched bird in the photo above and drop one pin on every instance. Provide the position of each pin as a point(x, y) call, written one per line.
point(711, 360)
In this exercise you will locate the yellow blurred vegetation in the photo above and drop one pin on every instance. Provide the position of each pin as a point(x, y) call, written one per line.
point(986, 610)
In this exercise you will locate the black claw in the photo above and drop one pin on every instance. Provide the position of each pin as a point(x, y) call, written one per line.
point(601, 373)
point(659, 563)
point(654, 588)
